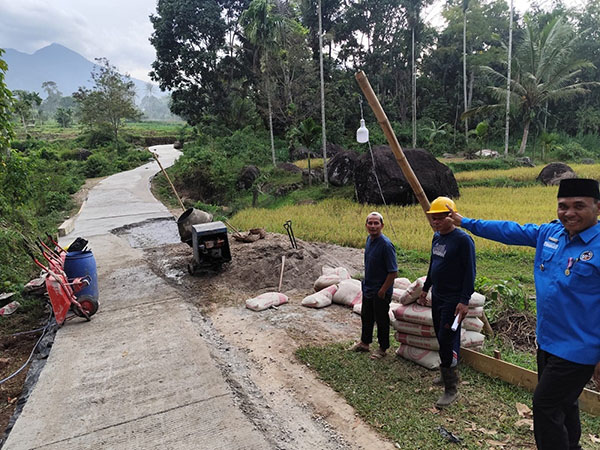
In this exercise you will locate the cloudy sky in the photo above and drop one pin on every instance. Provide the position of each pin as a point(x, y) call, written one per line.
point(115, 29)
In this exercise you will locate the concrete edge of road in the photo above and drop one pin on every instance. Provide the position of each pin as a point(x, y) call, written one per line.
point(69, 225)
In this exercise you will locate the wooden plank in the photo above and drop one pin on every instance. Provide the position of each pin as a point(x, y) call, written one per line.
point(589, 401)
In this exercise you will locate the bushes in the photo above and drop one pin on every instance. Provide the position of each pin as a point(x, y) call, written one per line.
point(97, 165)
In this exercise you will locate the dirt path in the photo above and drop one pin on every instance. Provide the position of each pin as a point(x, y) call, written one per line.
point(261, 345)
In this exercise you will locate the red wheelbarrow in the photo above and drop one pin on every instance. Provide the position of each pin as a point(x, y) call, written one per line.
point(60, 291)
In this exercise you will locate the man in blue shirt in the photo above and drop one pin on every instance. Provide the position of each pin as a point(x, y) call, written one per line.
point(451, 276)
point(380, 271)
point(567, 284)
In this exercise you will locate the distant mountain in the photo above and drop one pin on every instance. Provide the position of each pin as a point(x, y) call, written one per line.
point(68, 69)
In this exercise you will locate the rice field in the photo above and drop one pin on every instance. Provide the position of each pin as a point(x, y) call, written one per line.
point(523, 174)
point(341, 221)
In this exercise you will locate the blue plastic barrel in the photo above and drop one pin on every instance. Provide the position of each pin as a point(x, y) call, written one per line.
point(83, 264)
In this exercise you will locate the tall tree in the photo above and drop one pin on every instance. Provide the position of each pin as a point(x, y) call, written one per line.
point(509, 63)
point(261, 23)
point(548, 69)
point(6, 100)
point(322, 82)
point(195, 60)
point(53, 97)
point(110, 100)
point(465, 6)
point(25, 106)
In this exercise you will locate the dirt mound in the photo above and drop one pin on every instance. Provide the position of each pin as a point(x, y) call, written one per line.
point(256, 266)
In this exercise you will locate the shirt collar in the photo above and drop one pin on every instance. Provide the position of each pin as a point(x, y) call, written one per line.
point(586, 235)
point(590, 233)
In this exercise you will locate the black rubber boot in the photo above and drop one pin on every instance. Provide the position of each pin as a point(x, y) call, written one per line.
point(450, 377)
point(438, 381)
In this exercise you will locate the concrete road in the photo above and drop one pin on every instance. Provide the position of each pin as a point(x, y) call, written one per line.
point(139, 375)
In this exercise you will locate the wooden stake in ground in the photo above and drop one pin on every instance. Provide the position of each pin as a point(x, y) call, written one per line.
point(393, 141)
point(281, 274)
point(155, 156)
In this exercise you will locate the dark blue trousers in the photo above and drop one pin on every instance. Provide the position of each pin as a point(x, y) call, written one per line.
point(555, 407)
point(376, 310)
point(443, 316)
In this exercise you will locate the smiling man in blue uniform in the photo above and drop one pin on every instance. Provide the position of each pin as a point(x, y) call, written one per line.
point(567, 283)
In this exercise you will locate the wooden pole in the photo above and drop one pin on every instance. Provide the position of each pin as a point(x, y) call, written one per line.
point(281, 274)
point(364, 84)
point(168, 179)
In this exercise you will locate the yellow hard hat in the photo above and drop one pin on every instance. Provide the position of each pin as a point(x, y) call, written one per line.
point(439, 205)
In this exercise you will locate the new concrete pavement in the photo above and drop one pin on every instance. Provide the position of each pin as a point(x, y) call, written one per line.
point(139, 375)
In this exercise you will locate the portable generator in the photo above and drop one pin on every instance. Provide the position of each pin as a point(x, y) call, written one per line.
point(211, 247)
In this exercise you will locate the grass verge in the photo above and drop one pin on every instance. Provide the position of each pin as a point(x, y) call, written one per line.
point(396, 397)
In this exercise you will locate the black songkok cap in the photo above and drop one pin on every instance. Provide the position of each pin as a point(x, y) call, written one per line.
point(578, 187)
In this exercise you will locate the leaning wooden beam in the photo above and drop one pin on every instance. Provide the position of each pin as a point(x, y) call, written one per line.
point(589, 401)
point(364, 84)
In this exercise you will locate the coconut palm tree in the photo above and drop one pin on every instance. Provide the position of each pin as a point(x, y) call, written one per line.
point(547, 70)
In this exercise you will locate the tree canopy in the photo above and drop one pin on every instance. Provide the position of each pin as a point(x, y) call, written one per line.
point(109, 101)
point(227, 61)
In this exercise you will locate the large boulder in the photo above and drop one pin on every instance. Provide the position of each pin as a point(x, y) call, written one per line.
point(436, 178)
point(340, 168)
point(289, 167)
point(525, 161)
point(333, 149)
point(554, 172)
point(247, 177)
point(300, 153)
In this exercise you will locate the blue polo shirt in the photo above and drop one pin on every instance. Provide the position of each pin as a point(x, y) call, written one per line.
point(568, 301)
point(380, 260)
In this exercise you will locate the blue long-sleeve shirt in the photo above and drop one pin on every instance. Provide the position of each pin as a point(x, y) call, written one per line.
point(452, 267)
point(568, 301)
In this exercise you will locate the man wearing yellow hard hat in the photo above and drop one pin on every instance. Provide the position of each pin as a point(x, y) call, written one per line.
point(451, 278)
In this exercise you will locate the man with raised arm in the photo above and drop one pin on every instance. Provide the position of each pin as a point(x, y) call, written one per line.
point(567, 283)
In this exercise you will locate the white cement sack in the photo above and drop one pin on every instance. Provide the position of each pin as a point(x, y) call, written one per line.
point(471, 339)
point(475, 312)
point(325, 281)
point(397, 295)
point(266, 300)
point(401, 283)
point(418, 341)
point(349, 292)
point(393, 307)
point(414, 290)
point(472, 324)
point(476, 299)
point(407, 299)
point(341, 272)
point(357, 309)
point(426, 358)
point(414, 328)
point(414, 313)
point(320, 299)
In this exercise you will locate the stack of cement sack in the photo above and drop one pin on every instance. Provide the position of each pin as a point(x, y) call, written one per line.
point(414, 325)
point(334, 286)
